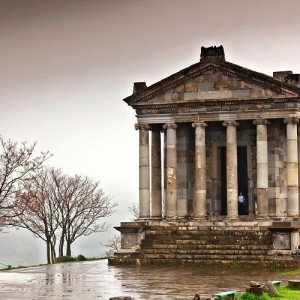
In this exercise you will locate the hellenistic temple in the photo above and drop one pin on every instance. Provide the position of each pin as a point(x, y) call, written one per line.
point(207, 134)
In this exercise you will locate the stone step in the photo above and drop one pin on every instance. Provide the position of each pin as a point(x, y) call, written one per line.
point(203, 245)
point(214, 257)
point(152, 243)
point(224, 230)
point(212, 247)
point(206, 241)
point(198, 234)
point(212, 233)
point(204, 251)
point(206, 262)
point(207, 235)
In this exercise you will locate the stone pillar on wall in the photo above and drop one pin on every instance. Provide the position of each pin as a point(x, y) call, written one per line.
point(171, 171)
point(156, 197)
point(144, 174)
point(183, 168)
point(292, 167)
point(200, 171)
point(262, 168)
point(231, 169)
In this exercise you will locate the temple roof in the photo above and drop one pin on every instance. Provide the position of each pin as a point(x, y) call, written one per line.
point(215, 79)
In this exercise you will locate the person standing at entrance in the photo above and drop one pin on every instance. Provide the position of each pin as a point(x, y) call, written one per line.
point(241, 204)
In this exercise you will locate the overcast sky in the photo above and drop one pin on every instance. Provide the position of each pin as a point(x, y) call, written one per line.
point(66, 65)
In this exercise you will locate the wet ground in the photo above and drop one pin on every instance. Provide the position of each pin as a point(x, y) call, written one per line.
point(97, 280)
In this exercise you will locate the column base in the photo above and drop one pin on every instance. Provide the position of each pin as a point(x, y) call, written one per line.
point(200, 218)
point(143, 219)
point(183, 218)
point(233, 218)
point(293, 216)
point(174, 218)
point(157, 218)
point(262, 217)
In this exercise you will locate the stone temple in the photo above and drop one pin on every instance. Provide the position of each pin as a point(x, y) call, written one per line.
point(207, 134)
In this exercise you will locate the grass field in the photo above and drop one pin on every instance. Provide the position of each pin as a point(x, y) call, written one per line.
point(285, 293)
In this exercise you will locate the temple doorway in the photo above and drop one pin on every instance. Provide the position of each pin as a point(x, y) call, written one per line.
point(243, 177)
point(242, 165)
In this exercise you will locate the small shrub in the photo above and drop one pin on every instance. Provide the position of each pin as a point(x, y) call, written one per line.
point(65, 259)
point(250, 296)
point(235, 266)
point(80, 257)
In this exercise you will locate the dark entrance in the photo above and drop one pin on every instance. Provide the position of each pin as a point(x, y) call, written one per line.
point(242, 176)
point(223, 180)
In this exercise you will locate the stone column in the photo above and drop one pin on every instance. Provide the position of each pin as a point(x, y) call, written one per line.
point(156, 208)
point(262, 168)
point(171, 171)
point(292, 167)
point(199, 206)
point(298, 137)
point(294, 240)
point(231, 169)
point(144, 174)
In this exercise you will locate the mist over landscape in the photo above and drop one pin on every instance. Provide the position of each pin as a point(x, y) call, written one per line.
point(67, 65)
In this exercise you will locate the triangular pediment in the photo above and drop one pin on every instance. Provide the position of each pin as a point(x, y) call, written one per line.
point(213, 80)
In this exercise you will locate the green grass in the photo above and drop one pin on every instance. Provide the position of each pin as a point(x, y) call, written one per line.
point(285, 293)
point(235, 266)
point(68, 260)
point(294, 272)
point(250, 296)
point(21, 267)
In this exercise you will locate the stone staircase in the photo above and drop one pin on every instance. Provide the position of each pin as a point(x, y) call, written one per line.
point(215, 245)
point(212, 244)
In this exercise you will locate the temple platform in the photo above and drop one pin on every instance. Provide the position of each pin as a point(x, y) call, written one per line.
point(261, 243)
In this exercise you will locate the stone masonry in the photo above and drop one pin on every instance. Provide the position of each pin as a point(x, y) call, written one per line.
point(206, 134)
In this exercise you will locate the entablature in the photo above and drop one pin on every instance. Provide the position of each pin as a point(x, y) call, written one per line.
point(217, 116)
point(224, 105)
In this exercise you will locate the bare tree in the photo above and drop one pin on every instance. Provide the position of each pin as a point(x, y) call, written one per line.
point(134, 210)
point(83, 205)
point(112, 245)
point(60, 207)
point(17, 165)
point(39, 210)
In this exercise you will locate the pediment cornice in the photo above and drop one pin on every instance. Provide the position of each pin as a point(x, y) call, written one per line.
point(226, 68)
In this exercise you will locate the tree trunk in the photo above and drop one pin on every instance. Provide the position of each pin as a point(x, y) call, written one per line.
point(68, 251)
point(61, 246)
point(53, 254)
point(48, 252)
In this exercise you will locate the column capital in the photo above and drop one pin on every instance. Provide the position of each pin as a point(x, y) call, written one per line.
point(230, 123)
point(170, 125)
point(261, 122)
point(201, 124)
point(292, 120)
point(142, 126)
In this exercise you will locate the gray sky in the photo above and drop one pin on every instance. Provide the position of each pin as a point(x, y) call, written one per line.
point(66, 65)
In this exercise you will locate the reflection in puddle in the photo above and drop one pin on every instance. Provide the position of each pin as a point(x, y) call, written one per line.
point(97, 280)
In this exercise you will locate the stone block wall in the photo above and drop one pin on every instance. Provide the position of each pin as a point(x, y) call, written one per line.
point(212, 85)
point(215, 140)
point(277, 168)
point(185, 169)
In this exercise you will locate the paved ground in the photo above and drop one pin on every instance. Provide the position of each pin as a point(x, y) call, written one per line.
point(96, 280)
